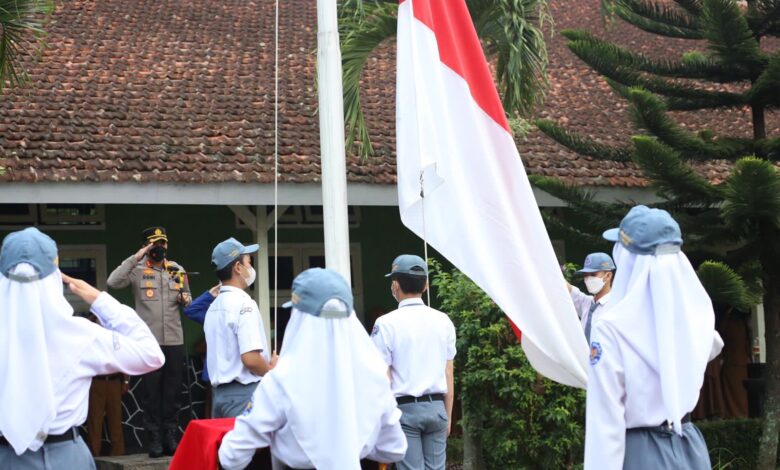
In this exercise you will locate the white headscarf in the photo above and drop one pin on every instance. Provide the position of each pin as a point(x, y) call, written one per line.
point(660, 308)
point(337, 383)
point(40, 343)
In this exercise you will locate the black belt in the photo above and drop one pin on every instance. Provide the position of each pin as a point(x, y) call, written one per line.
point(665, 426)
point(109, 377)
point(69, 435)
point(428, 397)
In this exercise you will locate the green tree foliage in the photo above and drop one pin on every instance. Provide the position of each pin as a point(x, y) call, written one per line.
point(524, 420)
point(511, 32)
point(735, 224)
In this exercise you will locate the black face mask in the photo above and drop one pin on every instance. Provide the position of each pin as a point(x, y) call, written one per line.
point(157, 253)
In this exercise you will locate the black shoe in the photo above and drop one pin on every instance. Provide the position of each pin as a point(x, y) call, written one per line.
point(170, 443)
point(154, 446)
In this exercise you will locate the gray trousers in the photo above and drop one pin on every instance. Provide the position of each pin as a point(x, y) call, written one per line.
point(230, 400)
point(425, 426)
point(662, 449)
point(71, 455)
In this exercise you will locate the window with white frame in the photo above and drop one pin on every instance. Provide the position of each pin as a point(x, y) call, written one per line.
point(306, 217)
point(86, 262)
point(296, 258)
point(53, 216)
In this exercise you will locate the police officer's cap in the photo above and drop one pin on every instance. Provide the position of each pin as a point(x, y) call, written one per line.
point(154, 234)
point(646, 231)
point(408, 264)
point(29, 246)
point(315, 287)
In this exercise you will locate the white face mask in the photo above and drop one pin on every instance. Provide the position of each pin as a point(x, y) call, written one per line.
point(252, 276)
point(594, 284)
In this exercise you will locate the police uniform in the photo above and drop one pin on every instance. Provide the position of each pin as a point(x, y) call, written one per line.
point(649, 351)
point(416, 342)
point(327, 403)
point(45, 388)
point(158, 294)
point(233, 326)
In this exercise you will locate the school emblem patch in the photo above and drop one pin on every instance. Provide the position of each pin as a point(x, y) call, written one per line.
point(595, 352)
point(248, 408)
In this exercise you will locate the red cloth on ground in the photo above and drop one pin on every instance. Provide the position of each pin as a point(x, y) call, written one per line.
point(200, 443)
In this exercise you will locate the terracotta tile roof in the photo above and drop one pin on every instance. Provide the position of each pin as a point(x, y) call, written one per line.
point(182, 91)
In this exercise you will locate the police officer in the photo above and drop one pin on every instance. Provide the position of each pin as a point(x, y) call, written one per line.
point(237, 352)
point(648, 354)
point(48, 356)
point(159, 287)
point(327, 403)
point(418, 346)
point(598, 271)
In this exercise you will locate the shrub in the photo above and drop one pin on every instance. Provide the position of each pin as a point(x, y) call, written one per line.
point(521, 419)
point(733, 443)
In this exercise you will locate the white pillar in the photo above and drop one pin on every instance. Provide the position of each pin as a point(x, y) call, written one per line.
point(262, 290)
point(759, 333)
point(259, 224)
point(331, 112)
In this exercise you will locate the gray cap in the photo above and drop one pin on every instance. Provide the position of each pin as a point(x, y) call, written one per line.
point(646, 231)
point(313, 288)
point(409, 264)
point(29, 246)
point(230, 250)
point(596, 262)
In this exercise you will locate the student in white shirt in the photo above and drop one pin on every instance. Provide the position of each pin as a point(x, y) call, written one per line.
point(327, 403)
point(649, 350)
point(48, 357)
point(237, 352)
point(418, 346)
point(598, 271)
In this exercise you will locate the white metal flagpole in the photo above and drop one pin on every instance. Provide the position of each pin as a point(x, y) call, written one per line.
point(334, 168)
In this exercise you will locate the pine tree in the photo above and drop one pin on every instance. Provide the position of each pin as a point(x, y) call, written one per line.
point(735, 223)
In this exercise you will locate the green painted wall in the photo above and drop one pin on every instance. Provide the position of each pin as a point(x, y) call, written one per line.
point(193, 231)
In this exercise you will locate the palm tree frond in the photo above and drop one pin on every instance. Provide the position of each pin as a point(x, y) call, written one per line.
point(21, 30)
point(360, 36)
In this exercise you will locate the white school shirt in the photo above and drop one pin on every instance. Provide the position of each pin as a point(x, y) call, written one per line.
point(233, 326)
point(583, 303)
point(265, 424)
point(416, 342)
point(624, 392)
point(124, 344)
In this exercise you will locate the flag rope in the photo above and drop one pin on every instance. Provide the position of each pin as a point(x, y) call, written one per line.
point(425, 241)
point(276, 175)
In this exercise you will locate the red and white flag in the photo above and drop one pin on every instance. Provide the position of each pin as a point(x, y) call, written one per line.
point(479, 210)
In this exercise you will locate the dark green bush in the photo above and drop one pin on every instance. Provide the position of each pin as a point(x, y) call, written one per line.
point(522, 420)
point(733, 443)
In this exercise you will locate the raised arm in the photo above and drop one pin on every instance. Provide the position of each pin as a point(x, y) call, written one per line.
point(125, 344)
point(121, 276)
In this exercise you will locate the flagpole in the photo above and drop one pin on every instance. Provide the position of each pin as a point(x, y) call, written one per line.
point(333, 159)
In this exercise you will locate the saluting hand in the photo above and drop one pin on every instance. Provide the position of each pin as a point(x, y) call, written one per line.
point(143, 251)
point(214, 291)
point(86, 292)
